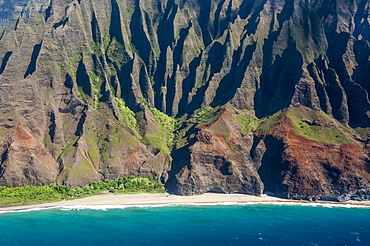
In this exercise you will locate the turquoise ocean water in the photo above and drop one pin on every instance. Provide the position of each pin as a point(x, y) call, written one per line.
point(250, 224)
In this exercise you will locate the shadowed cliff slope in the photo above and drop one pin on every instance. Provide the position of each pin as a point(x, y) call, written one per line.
point(211, 95)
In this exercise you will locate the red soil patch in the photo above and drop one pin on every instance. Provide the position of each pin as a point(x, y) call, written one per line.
point(21, 134)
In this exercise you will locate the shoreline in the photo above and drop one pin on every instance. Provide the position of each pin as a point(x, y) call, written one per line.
point(166, 199)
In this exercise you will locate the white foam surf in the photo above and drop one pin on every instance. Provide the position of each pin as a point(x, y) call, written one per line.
point(305, 204)
point(25, 210)
point(144, 206)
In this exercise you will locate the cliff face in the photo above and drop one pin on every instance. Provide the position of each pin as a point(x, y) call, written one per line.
point(211, 95)
point(10, 10)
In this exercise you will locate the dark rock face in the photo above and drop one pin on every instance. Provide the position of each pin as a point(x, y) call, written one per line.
point(88, 82)
point(217, 159)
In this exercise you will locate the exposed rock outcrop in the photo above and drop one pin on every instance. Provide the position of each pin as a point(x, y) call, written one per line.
point(25, 160)
point(217, 158)
point(331, 167)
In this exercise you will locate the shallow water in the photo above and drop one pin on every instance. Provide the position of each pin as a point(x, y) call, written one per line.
point(250, 224)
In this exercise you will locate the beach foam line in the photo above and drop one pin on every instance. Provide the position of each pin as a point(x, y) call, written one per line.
point(25, 210)
point(108, 207)
point(304, 204)
point(311, 204)
point(186, 204)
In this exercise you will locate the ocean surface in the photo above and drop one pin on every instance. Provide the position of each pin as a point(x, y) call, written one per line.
point(248, 224)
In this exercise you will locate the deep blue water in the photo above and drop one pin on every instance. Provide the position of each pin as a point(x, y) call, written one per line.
point(189, 225)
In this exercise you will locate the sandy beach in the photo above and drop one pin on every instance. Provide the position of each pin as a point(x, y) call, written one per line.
point(145, 199)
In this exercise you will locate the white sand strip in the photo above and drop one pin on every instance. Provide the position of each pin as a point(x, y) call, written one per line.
point(165, 199)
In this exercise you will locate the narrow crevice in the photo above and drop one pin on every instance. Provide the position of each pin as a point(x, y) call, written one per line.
point(216, 22)
point(35, 54)
point(245, 9)
point(61, 23)
point(4, 158)
point(358, 105)
point(139, 41)
point(231, 88)
point(16, 24)
point(362, 25)
point(83, 79)
point(223, 24)
point(286, 13)
point(96, 35)
point(98, 65)
point(187, 86)
point(204, 22)
point(361, 72)
point(80, 125)
point(177, 61)
point(198, 99)
point(143, 82)
point(115, 23)
point(320, 88)
point(216, 55)
point(166, 37)
point(152, 62)
point(261, 106)
point(336, 95)
point(52, 126)
point(48, 11)
point(126, 86)
point(114, 85)
point(68, 82)
point(254, 20)
point(5, 61)
point(233, 80)
point(179, 49)
point(99, 70)
point(256, 154)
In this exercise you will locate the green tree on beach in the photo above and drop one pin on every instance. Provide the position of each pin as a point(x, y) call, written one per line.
point(30, 194)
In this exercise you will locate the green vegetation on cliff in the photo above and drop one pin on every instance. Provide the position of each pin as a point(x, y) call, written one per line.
point(203, 114)
point(126, 113)
point(316, 126)
point(96, 83)
point(206, 115)
point(309, 124)
point(270, 122)
point(163, 136)
point(30, 194)
point(248, 123)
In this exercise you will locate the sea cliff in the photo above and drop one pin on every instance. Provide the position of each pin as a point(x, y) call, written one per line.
point(212, 95)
